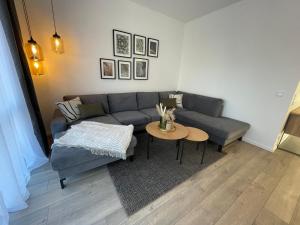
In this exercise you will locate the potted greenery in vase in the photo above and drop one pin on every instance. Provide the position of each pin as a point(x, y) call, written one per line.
point(167, 117)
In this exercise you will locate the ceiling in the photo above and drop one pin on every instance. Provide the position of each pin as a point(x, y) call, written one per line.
point(185, 10)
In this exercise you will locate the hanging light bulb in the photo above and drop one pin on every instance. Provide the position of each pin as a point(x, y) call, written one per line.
point(37, 68)
point(33, 50)
point(56, 41)
point(57, 44)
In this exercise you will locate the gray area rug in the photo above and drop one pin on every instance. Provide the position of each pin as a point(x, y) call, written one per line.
point(140, 182)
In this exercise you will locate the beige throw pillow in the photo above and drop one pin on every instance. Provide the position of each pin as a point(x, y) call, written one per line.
point(178, 98)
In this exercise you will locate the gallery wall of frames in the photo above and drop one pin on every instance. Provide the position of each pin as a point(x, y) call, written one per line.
point(134, 49)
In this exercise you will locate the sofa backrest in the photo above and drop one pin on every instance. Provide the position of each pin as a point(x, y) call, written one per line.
point(133, 101)
point(122, 102)
point(147, 99)
point(91, 99)
point(203, 104)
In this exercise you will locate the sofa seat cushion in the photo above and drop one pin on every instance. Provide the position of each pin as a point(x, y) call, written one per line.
point(218, 126)
point(63, 158)
point(131, 117)
point(152, 113)
point(108, 118)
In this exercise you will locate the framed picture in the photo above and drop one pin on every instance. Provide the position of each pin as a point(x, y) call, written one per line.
point(153, 46)
point(121, 44)
point(124, 69)
point(139, 45)
point(141, 67)
point(107, 68)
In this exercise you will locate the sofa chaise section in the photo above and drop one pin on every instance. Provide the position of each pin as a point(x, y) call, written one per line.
point(206, 113)
point(70, 161)
point(221, 130)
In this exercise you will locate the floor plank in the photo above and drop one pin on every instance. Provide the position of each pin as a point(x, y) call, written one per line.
point(265, 217)
point(246, 208)
point(296, 216)
point(216, 204)
point(284, 199)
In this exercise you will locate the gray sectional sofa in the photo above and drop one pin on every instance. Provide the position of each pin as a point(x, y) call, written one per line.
point(138, 108)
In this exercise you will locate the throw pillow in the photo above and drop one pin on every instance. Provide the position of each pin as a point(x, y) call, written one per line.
point(91, 110)
point(169, 103)
point(70, 109)
point(178, 98)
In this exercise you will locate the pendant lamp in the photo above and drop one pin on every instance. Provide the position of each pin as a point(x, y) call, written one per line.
point(36, 68)
point(32, 49)
point(56, 41)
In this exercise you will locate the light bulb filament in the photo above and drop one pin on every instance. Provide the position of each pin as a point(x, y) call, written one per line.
point(57, 42)
point(33, 49)
point(36, 65)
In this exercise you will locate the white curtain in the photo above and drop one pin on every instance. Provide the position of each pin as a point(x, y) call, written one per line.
point(20, 151)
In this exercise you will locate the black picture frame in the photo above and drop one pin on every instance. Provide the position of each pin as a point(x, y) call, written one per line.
point(135, 36)
point(129, 35)
point(103, 76)
point(149, 49)
point(135, 61)
point(119, 70)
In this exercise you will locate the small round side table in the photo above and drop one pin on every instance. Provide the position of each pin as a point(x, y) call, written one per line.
point(177, 135)
point(196, 135)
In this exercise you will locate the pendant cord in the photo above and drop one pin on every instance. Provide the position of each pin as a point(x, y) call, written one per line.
point(26, 18)
point(53, 16)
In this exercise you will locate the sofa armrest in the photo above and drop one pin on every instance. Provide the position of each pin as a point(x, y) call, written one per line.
point(58, 123)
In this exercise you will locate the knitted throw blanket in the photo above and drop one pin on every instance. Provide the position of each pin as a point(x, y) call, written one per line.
point(99, 138)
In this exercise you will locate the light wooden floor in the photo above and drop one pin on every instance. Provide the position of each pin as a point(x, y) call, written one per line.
point(290, 143)
point(247, 186)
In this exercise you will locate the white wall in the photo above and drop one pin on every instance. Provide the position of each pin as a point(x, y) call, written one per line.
point(244, 54)
point(86, 28)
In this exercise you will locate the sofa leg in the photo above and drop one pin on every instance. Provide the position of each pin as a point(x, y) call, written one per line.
point(61, 181)
point(240, 139)
point(220, 148)
point(131, 158)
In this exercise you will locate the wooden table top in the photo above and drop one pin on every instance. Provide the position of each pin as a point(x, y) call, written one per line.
point(196, 134)
point(179, 133)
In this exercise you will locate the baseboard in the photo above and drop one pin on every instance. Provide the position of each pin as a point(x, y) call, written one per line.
point(265, 147)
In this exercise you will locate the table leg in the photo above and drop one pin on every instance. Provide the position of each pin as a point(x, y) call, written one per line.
point(204, 149)
point(182, 148)
point(148, 145)
point(198, 145)
point(178, 148)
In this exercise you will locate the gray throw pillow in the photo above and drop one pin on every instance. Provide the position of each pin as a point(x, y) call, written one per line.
point(91, 110)
point(169, 103)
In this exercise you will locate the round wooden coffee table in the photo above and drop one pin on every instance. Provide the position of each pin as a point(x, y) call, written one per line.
point(178, 134)
point(196, 135)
